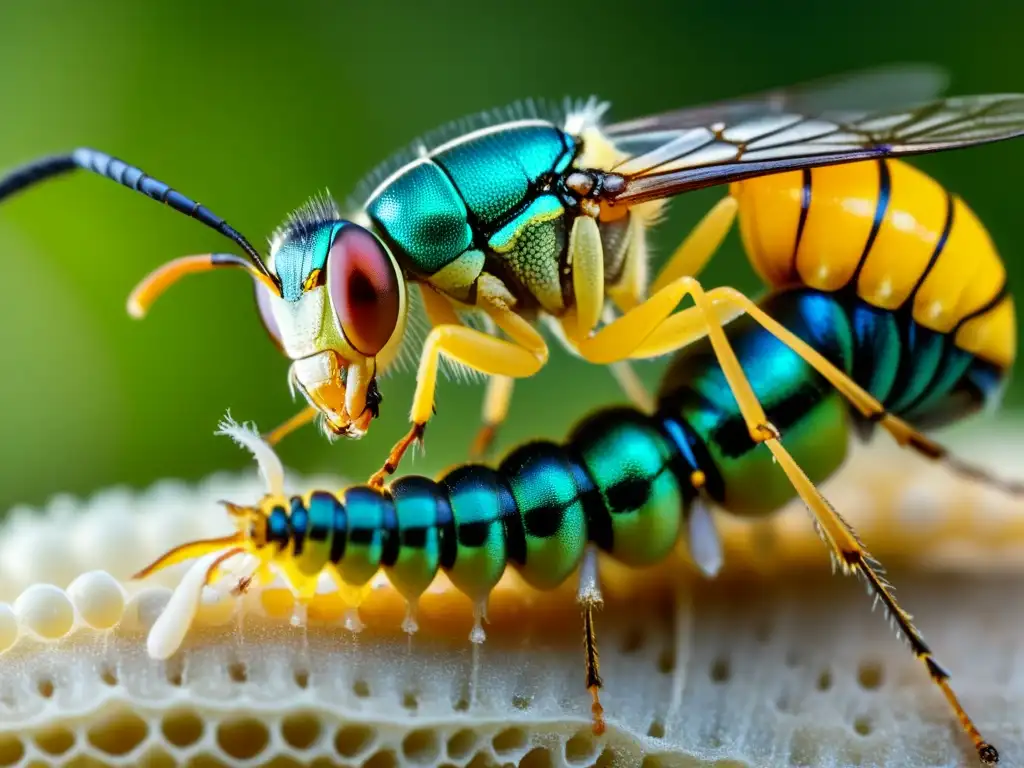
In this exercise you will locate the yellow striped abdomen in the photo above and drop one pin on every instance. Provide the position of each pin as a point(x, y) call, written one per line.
point(894, 233)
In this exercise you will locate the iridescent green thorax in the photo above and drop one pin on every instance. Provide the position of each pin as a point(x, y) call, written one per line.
point(463, 193)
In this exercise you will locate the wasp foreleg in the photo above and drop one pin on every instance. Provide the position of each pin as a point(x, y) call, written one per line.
point(586, 257)
point(472, 348)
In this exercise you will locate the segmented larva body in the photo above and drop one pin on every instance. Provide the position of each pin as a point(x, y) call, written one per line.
point(618, 483)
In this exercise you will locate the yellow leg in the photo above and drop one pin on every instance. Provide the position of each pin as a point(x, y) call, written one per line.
point(586, 254)
point(477, 350)
point(626, 376)
point(623, 335)
point(306, 416)
point(690, 258)
point(853, 558)
point(620, 339)
point(590, 599)
point(499, 388)
point(684, 328)
point(438, 309)
point(631, 288)
point(496, 403)
point(735, 302)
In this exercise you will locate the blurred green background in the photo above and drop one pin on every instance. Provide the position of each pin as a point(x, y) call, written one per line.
point(253, 107)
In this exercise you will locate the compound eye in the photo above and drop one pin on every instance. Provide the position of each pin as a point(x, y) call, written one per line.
point(263, 299)
point(363, 285)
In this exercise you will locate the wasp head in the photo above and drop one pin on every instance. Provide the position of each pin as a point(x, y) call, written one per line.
point(340, 315)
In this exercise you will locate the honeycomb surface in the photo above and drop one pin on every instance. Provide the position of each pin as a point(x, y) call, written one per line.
point(776, 663)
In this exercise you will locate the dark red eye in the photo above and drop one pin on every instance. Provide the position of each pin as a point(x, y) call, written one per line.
point(363, 287)
point(263, 299)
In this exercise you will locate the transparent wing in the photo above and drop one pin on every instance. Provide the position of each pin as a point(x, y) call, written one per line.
point(803, 127)
point(880, 88)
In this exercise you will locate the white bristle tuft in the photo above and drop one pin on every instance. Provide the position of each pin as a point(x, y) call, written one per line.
point(248, 437)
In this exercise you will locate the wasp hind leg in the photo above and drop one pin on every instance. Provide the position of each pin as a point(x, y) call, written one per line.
point(904, 434)
point(853, 558)
point(646, 325)
point(590, 599)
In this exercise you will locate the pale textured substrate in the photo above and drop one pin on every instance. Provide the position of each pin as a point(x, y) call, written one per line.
point(745, 671)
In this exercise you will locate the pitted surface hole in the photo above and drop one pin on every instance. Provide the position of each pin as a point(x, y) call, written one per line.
point(383, 759)
point(863, 725)
point(539, 757)
point(421, 746)
point(721, 670)
point(509, 740)
point(824, 680)
point(870, 675)
point(353, 740)
point(581, 748)
point(55, 741)
point(118, 733)
point(45, 687)
point(182, 728)
point(238, 672)
point(301, 730)
point(461, 744)
point(11, 750)
point(242, 738)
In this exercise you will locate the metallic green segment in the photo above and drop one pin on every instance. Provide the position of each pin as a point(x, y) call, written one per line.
point(424, 217)
point(543, 208)
point(955, 363)
point(489, 178)
point(365, 509)
point(320, 531)
point(540, 476)
point(922, 352)
point(416, 501)
point(876, 339)
point(496, 170)
point(541, 149)
point(474, 494)
point(811, 416)
point(303, 252)
point(628, 459)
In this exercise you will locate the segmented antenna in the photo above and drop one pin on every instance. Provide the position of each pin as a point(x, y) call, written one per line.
point(129, 176)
